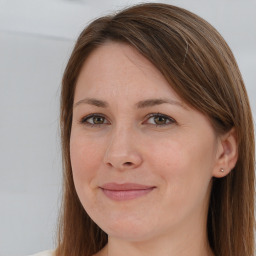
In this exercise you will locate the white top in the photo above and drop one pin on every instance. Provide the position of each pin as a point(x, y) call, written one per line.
point(44, 253)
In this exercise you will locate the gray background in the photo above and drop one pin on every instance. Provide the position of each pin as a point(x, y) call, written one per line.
point(36, 38)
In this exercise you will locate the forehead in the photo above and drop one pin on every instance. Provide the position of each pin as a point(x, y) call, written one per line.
point(121, 55)
point(119, 70)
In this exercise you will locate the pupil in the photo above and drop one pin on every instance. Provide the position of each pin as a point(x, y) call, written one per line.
point(98, 120)
point(160, 120)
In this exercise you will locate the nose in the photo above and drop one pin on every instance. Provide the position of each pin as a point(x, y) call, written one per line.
point(122, 151)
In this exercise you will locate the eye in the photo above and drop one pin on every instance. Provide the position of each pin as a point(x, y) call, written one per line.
point(94, 120)
point(158, 119)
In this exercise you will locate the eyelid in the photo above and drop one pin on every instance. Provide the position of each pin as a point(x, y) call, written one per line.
point(171, 120)
point(84, 119)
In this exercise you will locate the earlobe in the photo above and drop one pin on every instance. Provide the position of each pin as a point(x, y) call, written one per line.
point(227, 154)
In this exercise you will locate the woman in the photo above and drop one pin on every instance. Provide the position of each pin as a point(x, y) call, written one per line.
point(157, 138)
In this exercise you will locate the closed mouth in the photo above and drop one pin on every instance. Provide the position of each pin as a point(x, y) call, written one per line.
point(126, 191)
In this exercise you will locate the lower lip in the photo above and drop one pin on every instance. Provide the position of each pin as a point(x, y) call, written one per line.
point(121, 195)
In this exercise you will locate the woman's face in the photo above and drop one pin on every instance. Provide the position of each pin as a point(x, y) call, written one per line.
point(142, 160)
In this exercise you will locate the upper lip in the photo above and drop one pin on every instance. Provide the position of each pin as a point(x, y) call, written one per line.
point(125, 186)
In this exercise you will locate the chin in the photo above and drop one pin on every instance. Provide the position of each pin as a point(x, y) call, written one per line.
point(129, 230)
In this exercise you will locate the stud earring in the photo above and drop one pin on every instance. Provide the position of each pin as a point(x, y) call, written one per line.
point(221, 170)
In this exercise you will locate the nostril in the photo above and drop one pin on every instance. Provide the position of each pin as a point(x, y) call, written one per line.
point(128, 163)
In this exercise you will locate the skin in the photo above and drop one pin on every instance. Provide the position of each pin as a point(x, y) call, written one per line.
point(179, 156)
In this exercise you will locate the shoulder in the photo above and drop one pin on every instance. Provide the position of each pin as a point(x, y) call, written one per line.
point(44, 253)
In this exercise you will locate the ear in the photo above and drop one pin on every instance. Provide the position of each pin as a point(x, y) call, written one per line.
point(227, 154)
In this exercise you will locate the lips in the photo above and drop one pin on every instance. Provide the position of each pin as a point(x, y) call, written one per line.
point(126, 191)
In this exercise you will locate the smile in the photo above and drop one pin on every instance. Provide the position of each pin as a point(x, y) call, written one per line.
point(127, 191)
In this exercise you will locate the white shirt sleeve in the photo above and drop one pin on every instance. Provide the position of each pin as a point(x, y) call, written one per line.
point(44, 253)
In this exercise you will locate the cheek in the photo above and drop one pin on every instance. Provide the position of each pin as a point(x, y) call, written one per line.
point(85, 158)
point(185, 165)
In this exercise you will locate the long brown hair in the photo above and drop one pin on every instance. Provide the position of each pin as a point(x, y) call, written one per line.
point(200, 67)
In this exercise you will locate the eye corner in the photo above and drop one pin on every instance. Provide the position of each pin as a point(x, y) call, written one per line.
point(167, 120)
point(85, 120)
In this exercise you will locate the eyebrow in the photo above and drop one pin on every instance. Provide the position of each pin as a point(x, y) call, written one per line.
point(92, 101)
point(139, 105)
point(155, 102)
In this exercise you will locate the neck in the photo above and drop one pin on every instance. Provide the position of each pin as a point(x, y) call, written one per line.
point(178, 244)
point(156, 249)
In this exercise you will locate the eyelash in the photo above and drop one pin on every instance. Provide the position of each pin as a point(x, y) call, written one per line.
point(168, 119)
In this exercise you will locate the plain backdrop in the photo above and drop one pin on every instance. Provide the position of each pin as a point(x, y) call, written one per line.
point(36, 38)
